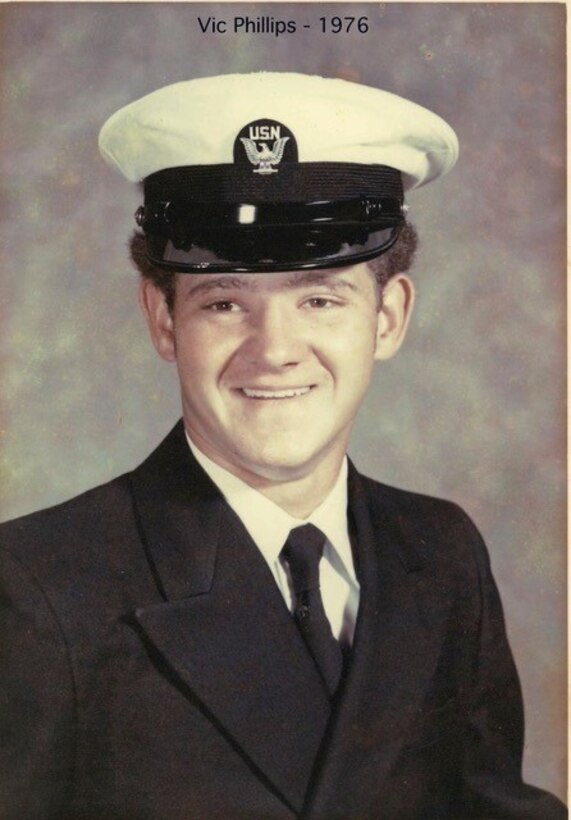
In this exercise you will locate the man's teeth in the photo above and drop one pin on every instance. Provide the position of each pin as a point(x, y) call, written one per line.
point(275, 394)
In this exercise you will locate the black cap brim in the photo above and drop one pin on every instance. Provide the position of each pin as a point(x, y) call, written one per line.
point(316, 215)
point(271, 249)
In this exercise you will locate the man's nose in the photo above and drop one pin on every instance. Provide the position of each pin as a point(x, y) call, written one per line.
point(275, 339)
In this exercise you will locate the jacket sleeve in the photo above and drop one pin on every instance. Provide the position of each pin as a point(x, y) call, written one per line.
point(36, 700)
point(492, 781)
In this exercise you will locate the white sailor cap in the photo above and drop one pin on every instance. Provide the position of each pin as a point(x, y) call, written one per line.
point(274, 171)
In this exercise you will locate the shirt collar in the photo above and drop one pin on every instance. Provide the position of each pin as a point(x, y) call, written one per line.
point(269, 525)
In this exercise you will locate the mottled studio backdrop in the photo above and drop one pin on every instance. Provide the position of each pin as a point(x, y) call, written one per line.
point(472, 408)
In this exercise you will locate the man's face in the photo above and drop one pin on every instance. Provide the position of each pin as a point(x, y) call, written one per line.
point(272, 367)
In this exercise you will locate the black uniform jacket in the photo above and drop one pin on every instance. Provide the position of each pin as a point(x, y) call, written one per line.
point(151, 670)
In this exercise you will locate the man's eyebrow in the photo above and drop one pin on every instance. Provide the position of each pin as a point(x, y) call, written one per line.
point(217, 282)
point(298, 279)
point(327, 278)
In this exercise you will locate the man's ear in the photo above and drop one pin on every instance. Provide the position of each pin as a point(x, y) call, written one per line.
point(159, 319)
point(394, 315)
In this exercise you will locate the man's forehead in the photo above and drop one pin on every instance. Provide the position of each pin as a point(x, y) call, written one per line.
point(337, 278)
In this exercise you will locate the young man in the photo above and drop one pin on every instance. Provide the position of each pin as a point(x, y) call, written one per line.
point(245, 627)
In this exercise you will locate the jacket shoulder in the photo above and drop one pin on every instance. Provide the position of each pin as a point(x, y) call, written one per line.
point(93, 545)
point(413, 505)
point(92, 537)
point(91, 511)
point(437, 527)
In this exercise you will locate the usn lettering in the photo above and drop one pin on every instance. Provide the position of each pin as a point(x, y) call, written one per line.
point(264, 132)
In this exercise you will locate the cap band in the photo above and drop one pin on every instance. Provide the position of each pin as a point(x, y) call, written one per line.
point(303, 182)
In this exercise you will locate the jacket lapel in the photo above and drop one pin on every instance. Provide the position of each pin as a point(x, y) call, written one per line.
point(223, 627)
point(395, 652)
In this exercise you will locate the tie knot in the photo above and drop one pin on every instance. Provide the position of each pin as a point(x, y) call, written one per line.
point(303, 550)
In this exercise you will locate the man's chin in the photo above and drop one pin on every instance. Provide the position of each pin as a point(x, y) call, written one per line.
point(270, 469)
point(275, 467)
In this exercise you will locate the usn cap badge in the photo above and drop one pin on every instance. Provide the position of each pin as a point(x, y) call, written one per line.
point(263, 144)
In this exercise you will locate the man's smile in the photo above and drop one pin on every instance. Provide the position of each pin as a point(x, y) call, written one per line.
point(269, 393)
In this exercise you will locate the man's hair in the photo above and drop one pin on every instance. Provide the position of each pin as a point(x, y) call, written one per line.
point(397, 259)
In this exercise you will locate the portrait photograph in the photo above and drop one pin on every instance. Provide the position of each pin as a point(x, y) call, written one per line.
point(192, 190)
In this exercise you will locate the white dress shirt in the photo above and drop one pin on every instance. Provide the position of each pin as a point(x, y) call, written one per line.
point(269, 526)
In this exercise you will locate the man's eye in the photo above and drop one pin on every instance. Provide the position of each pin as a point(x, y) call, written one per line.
point(321, 302)
point(222, 306)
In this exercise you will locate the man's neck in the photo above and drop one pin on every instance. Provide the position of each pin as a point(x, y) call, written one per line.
point(300, 494)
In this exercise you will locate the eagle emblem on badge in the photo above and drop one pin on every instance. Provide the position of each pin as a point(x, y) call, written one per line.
point(264, 156)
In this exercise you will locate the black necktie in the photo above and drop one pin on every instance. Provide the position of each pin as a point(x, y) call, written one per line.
point(303, 550)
